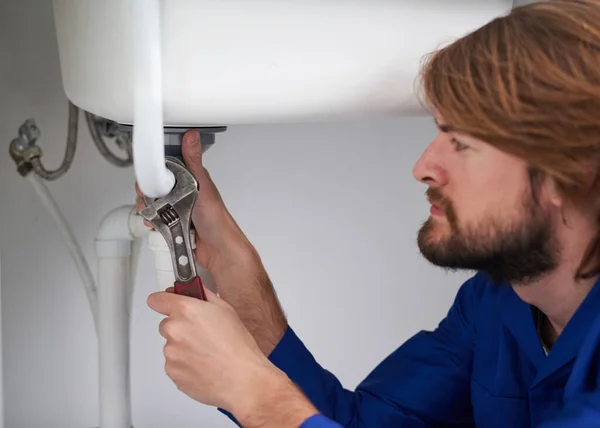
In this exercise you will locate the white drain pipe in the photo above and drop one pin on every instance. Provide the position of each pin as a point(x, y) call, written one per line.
point(113, 342)
point(153, 177)
point(113, 245)
point(163, 264)
point(117, 245)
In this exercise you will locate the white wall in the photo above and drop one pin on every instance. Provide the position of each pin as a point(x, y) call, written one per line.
point(1, 364)
point(332, 208)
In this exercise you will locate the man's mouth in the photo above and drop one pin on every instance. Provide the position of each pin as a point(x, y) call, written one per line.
point(436, 199)
point(436, 210)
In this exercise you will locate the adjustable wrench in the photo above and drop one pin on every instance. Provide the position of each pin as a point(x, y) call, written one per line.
point(171, 215)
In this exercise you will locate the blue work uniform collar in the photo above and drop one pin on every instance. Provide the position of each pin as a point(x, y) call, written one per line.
point(517, 316)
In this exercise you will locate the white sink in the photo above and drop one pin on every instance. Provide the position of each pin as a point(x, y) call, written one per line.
point(230, 62)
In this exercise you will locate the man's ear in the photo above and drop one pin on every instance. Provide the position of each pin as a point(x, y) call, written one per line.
point(555, 197)
point(553, 193)
point(544, 188)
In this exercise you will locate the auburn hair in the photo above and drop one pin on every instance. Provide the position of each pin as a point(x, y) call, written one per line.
point(528, 83)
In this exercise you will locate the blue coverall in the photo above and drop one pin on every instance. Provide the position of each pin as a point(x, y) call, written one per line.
point(483, 366)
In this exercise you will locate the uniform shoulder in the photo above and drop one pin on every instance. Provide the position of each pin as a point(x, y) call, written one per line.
point(478, 289)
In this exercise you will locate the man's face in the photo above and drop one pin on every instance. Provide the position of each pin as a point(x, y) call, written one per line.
point(487, 211)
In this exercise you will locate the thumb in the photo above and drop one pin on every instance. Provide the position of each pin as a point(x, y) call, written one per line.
point(191, 148)
point(161, 302)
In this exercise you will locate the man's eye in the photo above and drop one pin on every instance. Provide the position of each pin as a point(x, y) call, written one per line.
point(458, 146)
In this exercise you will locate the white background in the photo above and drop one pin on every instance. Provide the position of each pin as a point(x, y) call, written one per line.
point(332, 208)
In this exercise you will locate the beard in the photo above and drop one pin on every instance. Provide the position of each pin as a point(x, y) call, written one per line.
point(519, 250)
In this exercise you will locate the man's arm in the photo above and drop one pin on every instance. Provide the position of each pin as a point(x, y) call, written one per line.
point(424, 383)
point(244, 283)
point(277, 403)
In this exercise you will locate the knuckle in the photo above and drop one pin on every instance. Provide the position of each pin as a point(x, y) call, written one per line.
point(170, 352)
point(170, 370)
point(186, 307)
point(168, 329)
point(161, 326)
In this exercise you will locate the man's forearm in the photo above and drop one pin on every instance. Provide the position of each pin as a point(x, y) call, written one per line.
point(245, 285)
point(274, 402)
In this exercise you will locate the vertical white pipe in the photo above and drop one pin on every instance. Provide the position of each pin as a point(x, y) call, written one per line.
point(116, 245)
point(163, 265)
point(153, 177)
point(113, 344)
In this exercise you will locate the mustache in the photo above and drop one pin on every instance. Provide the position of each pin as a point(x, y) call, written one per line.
point(436, 197)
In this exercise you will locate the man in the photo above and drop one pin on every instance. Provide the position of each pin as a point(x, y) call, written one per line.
point(513, 181)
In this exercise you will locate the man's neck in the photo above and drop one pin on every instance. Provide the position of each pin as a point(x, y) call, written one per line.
point(557, 295)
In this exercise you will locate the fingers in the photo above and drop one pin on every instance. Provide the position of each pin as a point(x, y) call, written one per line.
point(162, 327)
point(191, 148)
point(168, 328)
point(168, 303)
point(212, 297)
point(140, 205)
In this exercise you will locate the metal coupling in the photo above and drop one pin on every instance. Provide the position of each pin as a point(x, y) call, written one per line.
point(23, 148)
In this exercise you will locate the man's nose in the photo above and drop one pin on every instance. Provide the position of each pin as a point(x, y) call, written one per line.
point(429, 168)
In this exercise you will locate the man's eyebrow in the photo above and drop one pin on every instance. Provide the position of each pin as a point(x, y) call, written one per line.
point(444, 127)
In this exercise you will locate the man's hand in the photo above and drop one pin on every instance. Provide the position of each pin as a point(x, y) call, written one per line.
point(223, 248)
point(212, 358)
point(220, 241)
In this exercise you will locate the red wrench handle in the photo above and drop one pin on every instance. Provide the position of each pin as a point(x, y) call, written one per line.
point(193, 289)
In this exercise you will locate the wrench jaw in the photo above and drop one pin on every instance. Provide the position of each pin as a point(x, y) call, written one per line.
point(180, 236)
point(171, 216)
point(185, 183)
point(178, 240)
